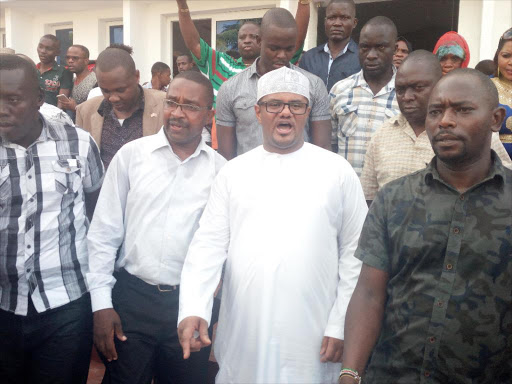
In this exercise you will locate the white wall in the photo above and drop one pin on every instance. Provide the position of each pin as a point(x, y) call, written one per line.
point(24, 30)
point(18, 28)
point(482, 22)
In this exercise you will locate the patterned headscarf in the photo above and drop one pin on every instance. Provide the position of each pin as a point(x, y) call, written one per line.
point(452, 42)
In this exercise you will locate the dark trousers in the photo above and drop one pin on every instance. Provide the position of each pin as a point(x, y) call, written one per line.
point(51, 347)
point(149, 319)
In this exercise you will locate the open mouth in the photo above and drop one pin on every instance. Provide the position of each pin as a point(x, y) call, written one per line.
point(284, 127)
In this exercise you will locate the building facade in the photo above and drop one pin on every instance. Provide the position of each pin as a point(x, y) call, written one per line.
point(150, 27)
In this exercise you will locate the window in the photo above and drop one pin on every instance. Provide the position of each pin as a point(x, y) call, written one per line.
point(65, 37)
point(3, 38)
point(179, 48)
point(421, 22)
point(116, 34)
point(227, 35)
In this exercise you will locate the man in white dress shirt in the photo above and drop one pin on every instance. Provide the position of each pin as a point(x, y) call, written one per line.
point(154, 194)
point(286, 218)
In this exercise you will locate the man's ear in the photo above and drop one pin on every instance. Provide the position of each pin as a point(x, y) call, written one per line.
point(210, 116)
point(498, 116)
point(257, 109)
point(40, 98)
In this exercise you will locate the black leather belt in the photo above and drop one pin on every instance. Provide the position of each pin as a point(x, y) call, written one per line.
point(125, 275)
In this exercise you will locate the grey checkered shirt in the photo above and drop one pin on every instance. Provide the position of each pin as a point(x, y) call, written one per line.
point(43, 225)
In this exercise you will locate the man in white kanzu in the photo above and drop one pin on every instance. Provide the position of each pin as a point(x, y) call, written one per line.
point(286, 218)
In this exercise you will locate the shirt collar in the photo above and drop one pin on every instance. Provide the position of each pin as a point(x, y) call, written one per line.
point(106, 106)
point(328, 51)
point(54, 66)
point(496, 172)
point(47, 133)
point(361, 82)
point(160, 141)
point(254, 71)
point(401, 122)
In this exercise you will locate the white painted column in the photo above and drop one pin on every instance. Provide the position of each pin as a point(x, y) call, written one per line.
point(19, 31)
point(482, 22)
point(292, 5)
point(134, 34)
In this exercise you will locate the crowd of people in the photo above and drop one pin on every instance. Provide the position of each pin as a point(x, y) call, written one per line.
point(341, 215)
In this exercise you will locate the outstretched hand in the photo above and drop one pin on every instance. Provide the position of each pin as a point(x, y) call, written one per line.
point(193, 335)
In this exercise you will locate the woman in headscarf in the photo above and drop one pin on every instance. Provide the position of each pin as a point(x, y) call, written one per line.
point(452, 50)
point(503, 81)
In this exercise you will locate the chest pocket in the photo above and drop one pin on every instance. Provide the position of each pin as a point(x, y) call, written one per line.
point(67, 175)
point(347, 120)
point(243, 107)
point(5, 184)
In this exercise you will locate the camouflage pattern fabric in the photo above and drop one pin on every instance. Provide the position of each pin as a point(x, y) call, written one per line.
point(448, 316)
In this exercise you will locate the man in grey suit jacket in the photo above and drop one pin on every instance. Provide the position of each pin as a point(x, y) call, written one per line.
point(126, 111)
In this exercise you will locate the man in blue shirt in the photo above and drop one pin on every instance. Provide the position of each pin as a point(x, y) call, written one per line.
point(338, 58)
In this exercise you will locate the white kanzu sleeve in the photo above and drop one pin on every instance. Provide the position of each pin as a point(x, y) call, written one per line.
point(353, 214)
point(206, 255)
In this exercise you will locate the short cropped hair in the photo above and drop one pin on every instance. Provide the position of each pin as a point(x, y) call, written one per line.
point(349, 2)
point(159, 67)
point(52, 38)
point(278, 17)
point(124, 47)
point(200, 79)
point(10, 62)
point(383, 21)
point(82, 48)
point(487, 89)
point(112, 58)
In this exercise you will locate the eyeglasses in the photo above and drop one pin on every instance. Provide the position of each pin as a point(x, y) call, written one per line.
point(296, 108)
point(171, 105)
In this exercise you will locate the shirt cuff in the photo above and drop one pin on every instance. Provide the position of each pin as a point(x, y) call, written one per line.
point(184, 314)
point(335, 331)
point(101, 298)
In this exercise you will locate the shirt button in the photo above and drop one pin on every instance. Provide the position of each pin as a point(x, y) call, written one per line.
point(462, 197)
point(432, 339)
point(440, 303)
point(28, 270)
point(456, 230)
point(29, 246)
point(427, 374)
point(31, 199)
point(29, 176)
point(449, 266)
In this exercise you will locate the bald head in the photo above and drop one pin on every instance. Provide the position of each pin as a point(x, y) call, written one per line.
point(277, 17)
point(415, 80)
point(383, 22)
point(426, 60)
point(112, 58)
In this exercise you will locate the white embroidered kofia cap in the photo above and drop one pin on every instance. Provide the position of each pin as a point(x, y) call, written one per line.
point(283, 80)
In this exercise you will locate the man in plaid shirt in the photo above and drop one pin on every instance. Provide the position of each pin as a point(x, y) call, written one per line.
point(48, 171)
point(362, 102)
